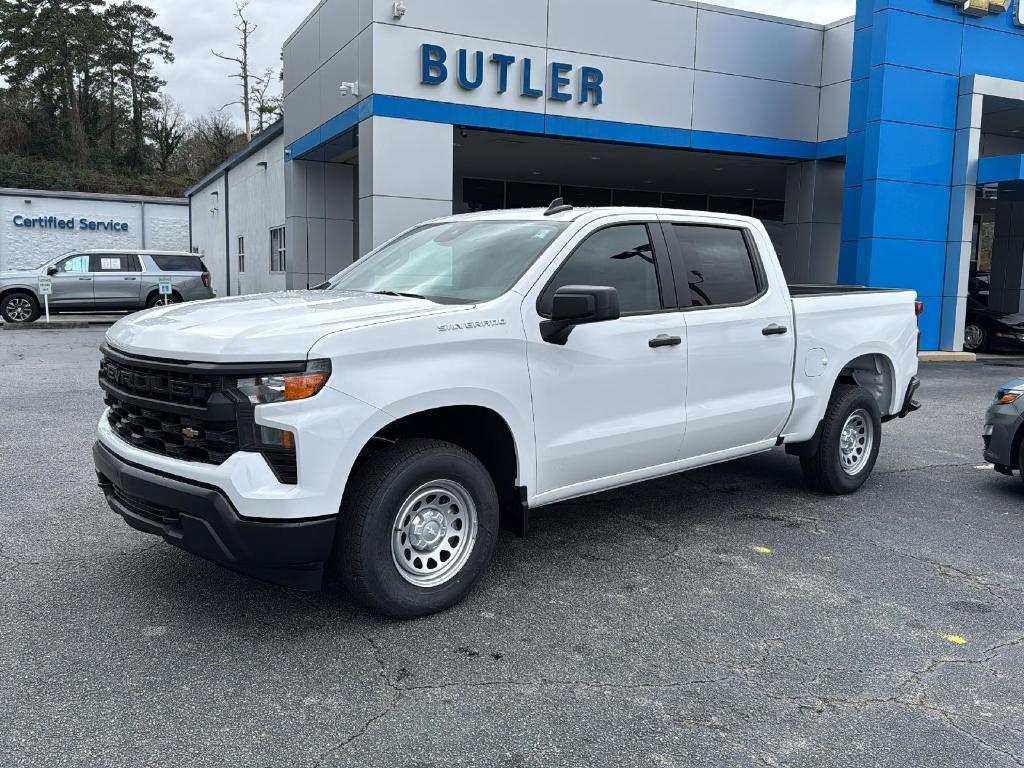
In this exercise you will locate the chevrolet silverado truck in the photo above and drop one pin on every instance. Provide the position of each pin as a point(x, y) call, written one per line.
point(382, 427)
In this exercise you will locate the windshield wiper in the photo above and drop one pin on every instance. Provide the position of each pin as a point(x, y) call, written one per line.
point(399, 293)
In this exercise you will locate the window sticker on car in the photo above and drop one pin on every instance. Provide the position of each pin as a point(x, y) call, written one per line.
point(111, 265)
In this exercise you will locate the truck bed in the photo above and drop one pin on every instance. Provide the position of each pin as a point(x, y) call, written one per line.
point(800, 290)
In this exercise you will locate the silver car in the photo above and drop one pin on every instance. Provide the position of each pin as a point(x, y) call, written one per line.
point(104, 281)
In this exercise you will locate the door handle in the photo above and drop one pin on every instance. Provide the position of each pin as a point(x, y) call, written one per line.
point(131, 278)
point(774, 330)
point(85, 278)
point(664, 340)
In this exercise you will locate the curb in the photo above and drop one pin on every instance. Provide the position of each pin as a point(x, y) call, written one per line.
point(947, 357)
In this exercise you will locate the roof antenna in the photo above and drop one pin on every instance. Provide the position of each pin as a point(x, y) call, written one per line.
point(558, 205)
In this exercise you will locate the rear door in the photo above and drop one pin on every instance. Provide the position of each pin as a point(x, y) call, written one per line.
point(72, 283)
point(116, 280)
point(740, 339)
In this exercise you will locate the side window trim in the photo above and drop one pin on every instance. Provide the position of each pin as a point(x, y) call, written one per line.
point(663, 270)
point(678, 258)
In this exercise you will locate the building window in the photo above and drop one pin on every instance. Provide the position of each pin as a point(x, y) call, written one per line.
point(278, 260)
point(241, 254)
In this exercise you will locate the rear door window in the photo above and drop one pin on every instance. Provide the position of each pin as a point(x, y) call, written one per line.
point(114, 262)
point(178, 262)
point(719, 267)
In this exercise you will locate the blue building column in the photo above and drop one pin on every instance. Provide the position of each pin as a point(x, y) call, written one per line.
point(906, 68)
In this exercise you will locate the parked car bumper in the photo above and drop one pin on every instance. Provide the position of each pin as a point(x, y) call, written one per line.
point(1007, 341)
point(202, 520)
point(1002, 424)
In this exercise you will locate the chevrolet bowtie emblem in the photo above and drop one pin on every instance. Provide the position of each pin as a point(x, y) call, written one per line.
point(189, 432)
point(981, 7)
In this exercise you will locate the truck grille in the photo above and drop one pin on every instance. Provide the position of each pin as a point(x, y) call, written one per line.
point(189, 411)
point(163, 386)
point(170, 434)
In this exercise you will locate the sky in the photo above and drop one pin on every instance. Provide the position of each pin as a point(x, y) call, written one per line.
point(201, 83)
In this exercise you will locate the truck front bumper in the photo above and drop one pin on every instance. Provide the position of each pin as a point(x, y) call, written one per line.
point(200, 519)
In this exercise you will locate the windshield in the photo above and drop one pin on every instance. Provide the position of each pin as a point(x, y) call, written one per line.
point(453, 262)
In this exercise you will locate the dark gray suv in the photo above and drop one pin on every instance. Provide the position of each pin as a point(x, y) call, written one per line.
point(104, 281)
point(1004, 429)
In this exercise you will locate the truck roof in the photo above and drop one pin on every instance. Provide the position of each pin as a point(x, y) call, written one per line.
point(575, 214)
point(138, 251)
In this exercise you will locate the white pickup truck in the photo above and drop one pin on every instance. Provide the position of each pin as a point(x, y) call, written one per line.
point(383, 426)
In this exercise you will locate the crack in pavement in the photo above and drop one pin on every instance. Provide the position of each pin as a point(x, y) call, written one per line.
point(953, 572)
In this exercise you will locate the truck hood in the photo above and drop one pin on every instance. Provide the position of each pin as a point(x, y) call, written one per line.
point(262, 328)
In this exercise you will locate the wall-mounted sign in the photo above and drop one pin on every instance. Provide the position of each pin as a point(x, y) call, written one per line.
point(57, 222)
point(981, 7)
point(561, 82)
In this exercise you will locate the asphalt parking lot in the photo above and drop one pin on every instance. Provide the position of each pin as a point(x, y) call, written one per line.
point(726, 617)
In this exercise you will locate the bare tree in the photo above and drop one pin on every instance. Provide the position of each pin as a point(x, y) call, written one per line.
point(168, 131)
point(245, 29)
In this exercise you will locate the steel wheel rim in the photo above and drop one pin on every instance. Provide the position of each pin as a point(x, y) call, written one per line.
point(434, 532)
point(19, 309)
point(973, 336)
point(856, 440)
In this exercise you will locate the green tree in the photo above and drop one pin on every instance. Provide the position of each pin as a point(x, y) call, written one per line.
point(45, 45)
point(136, 43)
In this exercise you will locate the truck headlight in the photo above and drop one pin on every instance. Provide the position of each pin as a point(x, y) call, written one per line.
point(1007, 396)
point(282, 387)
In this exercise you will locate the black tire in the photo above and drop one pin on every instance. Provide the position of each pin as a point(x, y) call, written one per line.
point(982, 338)
point(12, 307)
point(155, 298)
point(824, 471)
point(363, 555)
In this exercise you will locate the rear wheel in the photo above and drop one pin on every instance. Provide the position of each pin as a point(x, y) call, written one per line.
point(848, 445)
point(158, 300)
point(19, 307)
point(975, 338)
point(417, 528)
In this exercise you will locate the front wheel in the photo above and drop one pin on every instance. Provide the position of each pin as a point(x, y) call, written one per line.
point(417, 528)
point(848, 446)
point(19, 307)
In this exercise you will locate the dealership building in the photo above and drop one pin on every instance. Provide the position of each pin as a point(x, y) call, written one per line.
point(885, 149)
point(37, 226)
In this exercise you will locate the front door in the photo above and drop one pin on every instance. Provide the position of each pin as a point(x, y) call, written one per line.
point(116, 280)
point(72, 283)
point(609, 401)
point(741, 339)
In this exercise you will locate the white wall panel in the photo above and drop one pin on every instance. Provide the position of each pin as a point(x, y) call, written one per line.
point(410, 159)
point(834, 113)
point(754, 47)
point(663, 99)
point(837, 63)
point(644, 30)
point(302, 53)
point(731, 104)
point(339, 24)
point(302, 109)
point(345, 66)
point(522, 21)
point(397, 69)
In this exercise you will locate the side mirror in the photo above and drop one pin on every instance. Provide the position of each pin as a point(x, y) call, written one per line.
point(51, 271)
point(574, 305)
